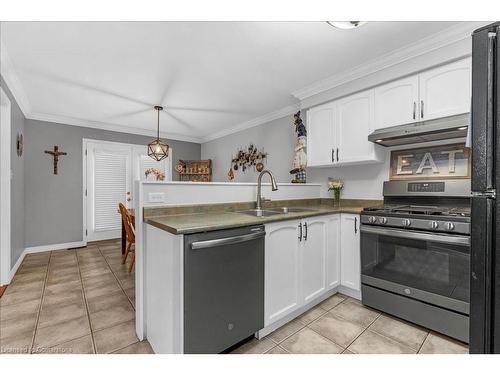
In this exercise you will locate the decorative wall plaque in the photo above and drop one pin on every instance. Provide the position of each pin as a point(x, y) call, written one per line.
point(437, 162)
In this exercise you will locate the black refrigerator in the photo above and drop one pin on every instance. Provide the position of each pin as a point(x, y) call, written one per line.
point(485, 215)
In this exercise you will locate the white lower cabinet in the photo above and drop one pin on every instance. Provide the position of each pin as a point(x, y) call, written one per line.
point(313, 258)
point(350, 261)
point(281, 290)
point(302, 262)
point(333, 251)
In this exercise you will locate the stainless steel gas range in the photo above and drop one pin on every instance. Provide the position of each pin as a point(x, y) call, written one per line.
point(415, 254)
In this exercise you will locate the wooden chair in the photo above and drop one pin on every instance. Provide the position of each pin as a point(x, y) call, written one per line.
point(129, 230)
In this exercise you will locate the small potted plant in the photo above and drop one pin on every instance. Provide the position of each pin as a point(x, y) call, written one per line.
point(336, 185)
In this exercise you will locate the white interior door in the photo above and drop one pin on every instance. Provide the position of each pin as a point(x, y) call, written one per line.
point(109, 182)
point(111, 169)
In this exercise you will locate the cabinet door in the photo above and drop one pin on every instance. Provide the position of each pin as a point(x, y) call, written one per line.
point(333, 251)
point(320, 135)
point(350, 274)
point(313, 258)
point(355, 118)
point(396, 102)
point(281, 270)
point(446, 90)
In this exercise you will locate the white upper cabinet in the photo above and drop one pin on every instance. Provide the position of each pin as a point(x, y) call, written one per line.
point(439, 92)
point(320, 135)
point(337, 132)
point(446, 90)
point(355, 120)
point(396, 103)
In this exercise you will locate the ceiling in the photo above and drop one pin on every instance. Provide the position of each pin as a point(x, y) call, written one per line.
point(211, 77)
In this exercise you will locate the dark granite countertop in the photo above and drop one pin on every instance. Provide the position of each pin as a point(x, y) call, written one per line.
point(203, 218)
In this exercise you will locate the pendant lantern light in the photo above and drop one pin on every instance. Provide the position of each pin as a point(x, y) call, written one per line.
point(157, 149)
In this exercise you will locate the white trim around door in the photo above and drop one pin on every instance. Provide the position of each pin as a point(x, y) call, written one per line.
point(136, 159)
point(5, 178)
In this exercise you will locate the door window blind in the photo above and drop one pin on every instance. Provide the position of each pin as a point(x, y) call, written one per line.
point(111, 182)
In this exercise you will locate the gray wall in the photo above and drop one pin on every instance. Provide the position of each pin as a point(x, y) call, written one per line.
point(53, 203)
point(17, 182)
point(278, 139)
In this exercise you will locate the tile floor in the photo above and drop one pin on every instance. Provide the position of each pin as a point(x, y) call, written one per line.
point(71, 301)
point(82, 301)
point(343, 325)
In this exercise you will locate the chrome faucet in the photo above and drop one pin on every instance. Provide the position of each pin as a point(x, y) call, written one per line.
point(274, 187)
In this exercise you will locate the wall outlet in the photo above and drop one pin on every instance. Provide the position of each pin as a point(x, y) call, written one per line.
point(156, 197)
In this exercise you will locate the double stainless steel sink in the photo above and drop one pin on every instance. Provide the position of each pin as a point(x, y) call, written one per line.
point(274, 211)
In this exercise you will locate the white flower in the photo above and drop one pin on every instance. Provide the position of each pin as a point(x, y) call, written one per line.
point(335, 184)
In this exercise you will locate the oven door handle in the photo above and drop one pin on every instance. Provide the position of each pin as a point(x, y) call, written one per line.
point(425, 236)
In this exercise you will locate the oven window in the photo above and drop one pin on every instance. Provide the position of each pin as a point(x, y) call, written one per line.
point(435, 267)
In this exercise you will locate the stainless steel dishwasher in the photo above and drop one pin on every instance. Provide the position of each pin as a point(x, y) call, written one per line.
point(223, 288)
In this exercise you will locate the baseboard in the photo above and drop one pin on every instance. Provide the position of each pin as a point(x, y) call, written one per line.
point(59, 246)
point(356, 294)
point(13, 270)
point(41, 249)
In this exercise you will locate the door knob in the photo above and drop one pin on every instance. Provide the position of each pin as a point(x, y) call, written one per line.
point(129, 199)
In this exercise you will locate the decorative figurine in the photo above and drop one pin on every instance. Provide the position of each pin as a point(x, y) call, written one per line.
point(300, 158)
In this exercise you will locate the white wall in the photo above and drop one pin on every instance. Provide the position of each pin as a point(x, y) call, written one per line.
point(186, 193)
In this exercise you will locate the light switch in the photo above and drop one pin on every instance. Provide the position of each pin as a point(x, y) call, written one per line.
point(156, 197)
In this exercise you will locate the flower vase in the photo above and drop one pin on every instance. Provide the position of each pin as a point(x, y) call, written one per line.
point(336, 199)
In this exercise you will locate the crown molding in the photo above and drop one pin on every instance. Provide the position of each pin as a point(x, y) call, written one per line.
point(286, 111)
point(65, 120)
point(448, 36)
point(12, 80)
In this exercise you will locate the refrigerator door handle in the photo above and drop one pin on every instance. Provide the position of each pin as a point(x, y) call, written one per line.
point(492, 194)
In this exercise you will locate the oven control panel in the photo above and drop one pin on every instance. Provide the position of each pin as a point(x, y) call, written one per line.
point(426, 187)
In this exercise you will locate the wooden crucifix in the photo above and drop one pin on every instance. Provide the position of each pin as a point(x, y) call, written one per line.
point(56, 153)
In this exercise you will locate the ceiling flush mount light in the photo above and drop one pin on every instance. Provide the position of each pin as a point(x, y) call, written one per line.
point(157, 149)
point(345, 25)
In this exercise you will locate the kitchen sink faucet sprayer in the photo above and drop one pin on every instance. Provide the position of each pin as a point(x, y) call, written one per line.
point(274, 187)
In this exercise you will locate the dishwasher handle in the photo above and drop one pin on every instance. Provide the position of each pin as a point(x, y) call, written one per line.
point(226, 241)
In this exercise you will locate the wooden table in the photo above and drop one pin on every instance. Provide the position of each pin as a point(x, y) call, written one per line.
point(124, 234)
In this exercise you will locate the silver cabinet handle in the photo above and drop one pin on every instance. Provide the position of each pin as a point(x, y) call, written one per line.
point(337, 154)
point(333, 155)
point(424, 236)
point(355, 225)
point(421, 109)
point(414, 110)
point(226, 241)
point(305, 235)
point(300, 231)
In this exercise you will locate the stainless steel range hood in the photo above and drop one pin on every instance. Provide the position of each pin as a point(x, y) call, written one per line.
point(424, 131)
